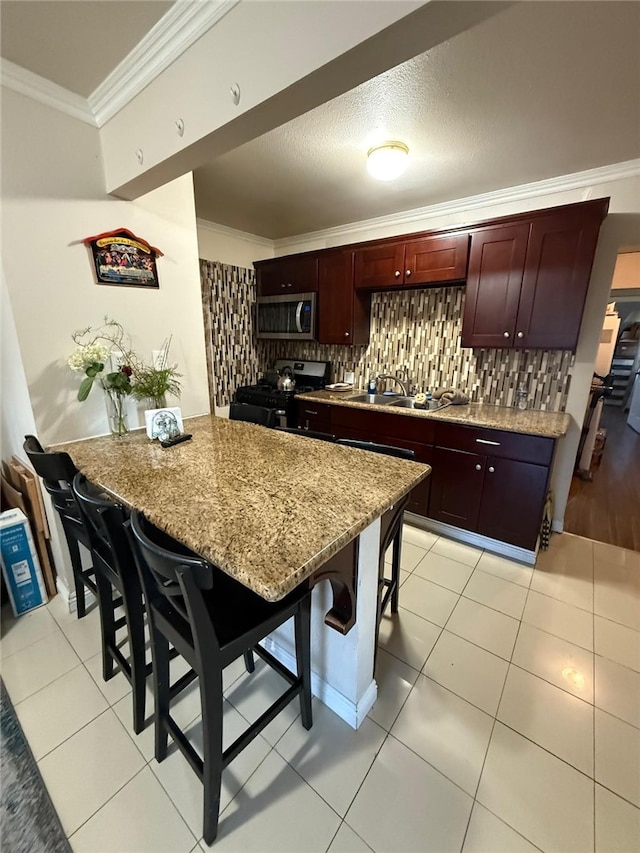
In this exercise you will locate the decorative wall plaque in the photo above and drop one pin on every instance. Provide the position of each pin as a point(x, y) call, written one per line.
point(121, 258)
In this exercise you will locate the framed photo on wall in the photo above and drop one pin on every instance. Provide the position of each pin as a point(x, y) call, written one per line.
point(122, 258)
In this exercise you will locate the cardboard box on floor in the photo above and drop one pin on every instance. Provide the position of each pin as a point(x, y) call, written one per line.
point(21, 490)
point(20, 564)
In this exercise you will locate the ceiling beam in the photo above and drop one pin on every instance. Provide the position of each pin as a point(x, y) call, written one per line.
point(286, 58)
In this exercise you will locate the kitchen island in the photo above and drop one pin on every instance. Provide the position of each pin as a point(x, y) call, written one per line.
point(272, 510)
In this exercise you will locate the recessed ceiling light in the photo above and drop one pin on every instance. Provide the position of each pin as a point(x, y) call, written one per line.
point(388, 161)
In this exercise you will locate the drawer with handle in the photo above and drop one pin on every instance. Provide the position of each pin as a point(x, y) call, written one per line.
point(313, 416)
point(493, 442)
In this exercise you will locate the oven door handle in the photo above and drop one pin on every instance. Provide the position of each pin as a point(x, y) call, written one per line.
point(299, 316)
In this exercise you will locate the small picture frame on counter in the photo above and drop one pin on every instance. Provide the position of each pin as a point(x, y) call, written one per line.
point(163, 424)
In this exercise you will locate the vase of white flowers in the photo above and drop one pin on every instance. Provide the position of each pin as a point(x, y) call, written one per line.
point(93, 348)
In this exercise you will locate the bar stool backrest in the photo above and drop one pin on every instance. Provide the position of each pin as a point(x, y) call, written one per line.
point(105, 519)
point(307, 433)
point(252, 414)
point(57, 472)
point(375, 447)
point(173, 580)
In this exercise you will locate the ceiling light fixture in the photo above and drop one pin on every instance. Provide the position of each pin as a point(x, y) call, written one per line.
point(388, 161)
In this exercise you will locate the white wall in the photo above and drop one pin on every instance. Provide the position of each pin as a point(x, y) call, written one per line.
point(53, 197)
point(17, 421)
point(228, 246)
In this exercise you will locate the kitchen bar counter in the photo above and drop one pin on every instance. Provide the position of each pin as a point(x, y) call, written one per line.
point(529, 421)
point(268, 508)
point(273, 510)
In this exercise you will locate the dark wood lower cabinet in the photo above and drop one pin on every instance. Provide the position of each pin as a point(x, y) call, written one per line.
point(494, 495)
point(314, 416)
point(419, 497)
point(456, 487)
point(513, 497)
point(491, 482)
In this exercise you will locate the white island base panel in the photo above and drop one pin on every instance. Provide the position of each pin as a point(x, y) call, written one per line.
point(341, 666)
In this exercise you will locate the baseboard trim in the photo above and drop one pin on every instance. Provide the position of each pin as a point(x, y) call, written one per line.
point(352, 713)
point(70, 598)
point(522, 555)
point(63, 592)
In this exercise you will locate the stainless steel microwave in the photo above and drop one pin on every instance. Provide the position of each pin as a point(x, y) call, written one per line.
point(290, 317)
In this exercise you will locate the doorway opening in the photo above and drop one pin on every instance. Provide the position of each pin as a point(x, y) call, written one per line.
point(604, 499)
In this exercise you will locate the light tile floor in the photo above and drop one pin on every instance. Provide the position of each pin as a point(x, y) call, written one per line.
point(507, 721)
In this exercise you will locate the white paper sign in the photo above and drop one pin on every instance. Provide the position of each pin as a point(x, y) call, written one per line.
point(163, 423)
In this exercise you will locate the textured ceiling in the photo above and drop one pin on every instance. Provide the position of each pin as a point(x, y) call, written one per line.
point(75, 44)
point(539, 90)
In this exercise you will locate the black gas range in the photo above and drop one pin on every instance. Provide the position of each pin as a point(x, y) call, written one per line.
point(309, 376)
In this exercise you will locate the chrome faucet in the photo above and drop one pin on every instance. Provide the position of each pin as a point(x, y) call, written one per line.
point(403, 383)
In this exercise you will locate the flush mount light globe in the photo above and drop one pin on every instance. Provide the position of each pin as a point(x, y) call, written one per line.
point(388, 161)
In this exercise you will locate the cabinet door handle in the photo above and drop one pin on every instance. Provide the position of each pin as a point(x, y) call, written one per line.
point(408, 272)
point(491, 469)
point(289, 285)
point(397, 273)
point(521, 334)
point(283, 285)
point(478, 467)
point(505, 335)
point(346, 334)
point(309, 412)
point(486, 441)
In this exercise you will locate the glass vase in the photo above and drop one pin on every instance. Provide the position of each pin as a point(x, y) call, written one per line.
point(159, 402)
point(116, 413)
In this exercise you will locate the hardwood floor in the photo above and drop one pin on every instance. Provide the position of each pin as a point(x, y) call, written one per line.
point(608, 508)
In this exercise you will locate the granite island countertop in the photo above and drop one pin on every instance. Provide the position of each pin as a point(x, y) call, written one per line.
point(527, 421)
point(267, 507)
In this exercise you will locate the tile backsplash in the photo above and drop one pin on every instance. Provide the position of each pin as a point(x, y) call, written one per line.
point(414, 329)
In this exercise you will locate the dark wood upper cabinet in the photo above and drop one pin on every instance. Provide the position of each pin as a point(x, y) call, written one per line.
point(343, 314)
point(556, 277)
point(436, 259)
point(494, 282)
point(527, 282)
point(527, 277)
point(379, 266)
point(429, 260)
point(293, 274)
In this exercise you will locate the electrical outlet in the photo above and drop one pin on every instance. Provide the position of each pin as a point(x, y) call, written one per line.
point(349, 376)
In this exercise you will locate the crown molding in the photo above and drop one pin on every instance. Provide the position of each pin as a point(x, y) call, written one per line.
point(563, 183)
point(39, 89)
point(184, 23)
point(225, 231)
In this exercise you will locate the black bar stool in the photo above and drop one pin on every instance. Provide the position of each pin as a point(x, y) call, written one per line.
point(211, 619)
point(307, 433)
point(116, 570)
point(57, 472)
point(252, 414)
point(391, 533)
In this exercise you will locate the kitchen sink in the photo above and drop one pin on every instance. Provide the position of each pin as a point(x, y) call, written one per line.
point(374, 399)
point(409, 403)
point(403, 403)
